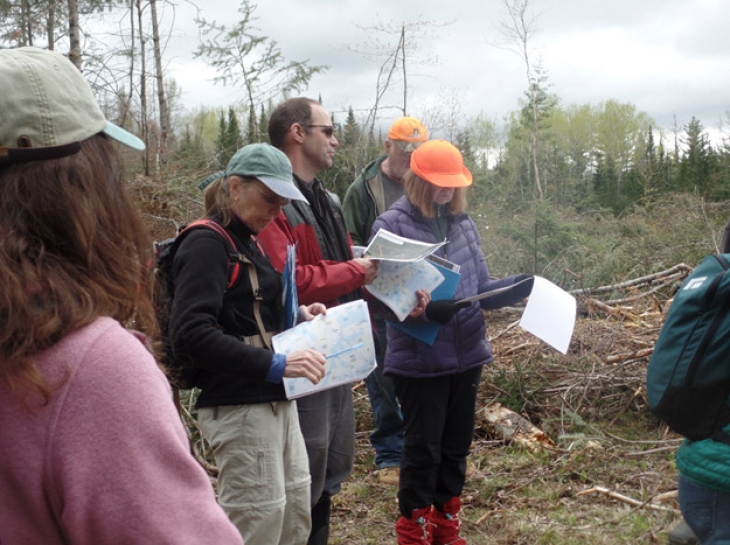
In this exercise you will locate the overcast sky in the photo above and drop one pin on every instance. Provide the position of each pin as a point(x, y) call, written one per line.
point(669, 58)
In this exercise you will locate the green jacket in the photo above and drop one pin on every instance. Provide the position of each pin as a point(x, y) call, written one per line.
point(365, 201)
point(706, 462)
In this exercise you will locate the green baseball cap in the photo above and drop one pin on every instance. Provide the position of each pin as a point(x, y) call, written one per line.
point(48, 107)
point(267, 164)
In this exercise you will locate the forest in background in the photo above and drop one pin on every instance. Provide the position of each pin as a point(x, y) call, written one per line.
point(590, 158)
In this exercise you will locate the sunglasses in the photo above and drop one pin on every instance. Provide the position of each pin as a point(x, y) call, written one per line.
point(327, 130)
point(273, 200)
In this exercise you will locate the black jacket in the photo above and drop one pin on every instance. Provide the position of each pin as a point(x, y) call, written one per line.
point(206, 322)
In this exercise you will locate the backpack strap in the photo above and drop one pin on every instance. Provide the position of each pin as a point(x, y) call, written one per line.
point(264, 336)
point(263, 340)
point(234, 264)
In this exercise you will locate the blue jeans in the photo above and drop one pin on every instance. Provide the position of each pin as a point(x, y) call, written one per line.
point(387, 438)
point(706, 510)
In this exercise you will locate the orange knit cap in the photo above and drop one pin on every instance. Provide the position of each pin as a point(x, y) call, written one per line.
point(440, 163)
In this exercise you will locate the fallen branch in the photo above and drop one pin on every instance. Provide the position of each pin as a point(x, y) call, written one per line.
point(682, 268)
point(505, 330)
point(620, 314)
point(637, 354)
point(625, 499)
point(672, 279)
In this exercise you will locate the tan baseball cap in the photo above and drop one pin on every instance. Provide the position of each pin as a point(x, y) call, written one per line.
point(408, 133)
point(48, 108)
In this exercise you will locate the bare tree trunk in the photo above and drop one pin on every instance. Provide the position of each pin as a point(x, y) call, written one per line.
point(132, 57)
point(74, 33)
point(161, 99)
point(143, 88)
point(51, 25)
point(26, 26)
point(519, 32)
point(405, 76)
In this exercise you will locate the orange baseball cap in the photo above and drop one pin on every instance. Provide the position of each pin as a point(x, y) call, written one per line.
point(408, 133)
point(439, 162)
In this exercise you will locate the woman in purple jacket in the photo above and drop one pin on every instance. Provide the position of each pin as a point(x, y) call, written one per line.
point(437, 385)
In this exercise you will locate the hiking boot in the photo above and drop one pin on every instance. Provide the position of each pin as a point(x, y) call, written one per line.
point(389, 475)
point(446, 524)
point(415, 530)
point(682, 534)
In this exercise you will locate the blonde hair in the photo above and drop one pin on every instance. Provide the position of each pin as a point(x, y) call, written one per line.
point(420, 192)
point(217, 198)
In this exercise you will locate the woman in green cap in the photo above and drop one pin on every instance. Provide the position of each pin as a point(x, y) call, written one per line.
point(243, 412)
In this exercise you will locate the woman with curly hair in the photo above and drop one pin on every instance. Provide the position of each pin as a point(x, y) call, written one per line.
point(92, 447)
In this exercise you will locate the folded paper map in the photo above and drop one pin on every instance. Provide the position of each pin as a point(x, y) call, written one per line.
point(344, 335)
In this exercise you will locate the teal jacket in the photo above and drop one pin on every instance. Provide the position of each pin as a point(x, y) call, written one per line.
point(365, 201)
point(706, 462)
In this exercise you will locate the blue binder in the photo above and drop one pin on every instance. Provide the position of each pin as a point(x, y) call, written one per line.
point(289, 299)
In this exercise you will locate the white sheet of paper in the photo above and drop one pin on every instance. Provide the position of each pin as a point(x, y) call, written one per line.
point(550, 314)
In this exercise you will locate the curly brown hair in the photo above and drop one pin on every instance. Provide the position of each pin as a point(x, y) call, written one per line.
point(73, 247)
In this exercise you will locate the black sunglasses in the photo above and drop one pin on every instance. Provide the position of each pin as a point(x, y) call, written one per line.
point(327, 130)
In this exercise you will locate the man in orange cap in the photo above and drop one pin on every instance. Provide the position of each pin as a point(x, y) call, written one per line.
point(379, 185)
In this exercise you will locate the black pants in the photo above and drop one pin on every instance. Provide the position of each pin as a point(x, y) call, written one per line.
point(438, 416)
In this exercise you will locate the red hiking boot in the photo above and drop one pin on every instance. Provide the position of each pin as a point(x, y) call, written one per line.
point(446, 524)
point(415, 530)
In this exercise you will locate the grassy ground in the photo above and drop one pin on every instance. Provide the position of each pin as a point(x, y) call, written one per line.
point(604, 481)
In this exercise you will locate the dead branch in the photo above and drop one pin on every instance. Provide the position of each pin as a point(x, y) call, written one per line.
point(617, 312)
point(505, 330)
point(681, 268)
point(671, 280)
point(625, 499)
point(637, 354)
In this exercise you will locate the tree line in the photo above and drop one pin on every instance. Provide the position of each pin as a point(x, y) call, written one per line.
point(605, 155)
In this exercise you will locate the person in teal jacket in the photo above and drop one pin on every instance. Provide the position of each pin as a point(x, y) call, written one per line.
point(704, 488)
point(704, 481)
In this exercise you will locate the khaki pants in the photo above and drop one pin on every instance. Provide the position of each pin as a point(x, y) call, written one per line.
point(263, 482)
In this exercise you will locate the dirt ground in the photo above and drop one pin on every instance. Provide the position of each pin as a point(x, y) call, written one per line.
point(610, 477)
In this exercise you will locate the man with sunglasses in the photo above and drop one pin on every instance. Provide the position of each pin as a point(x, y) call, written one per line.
point(327, 272)
point(379, 185)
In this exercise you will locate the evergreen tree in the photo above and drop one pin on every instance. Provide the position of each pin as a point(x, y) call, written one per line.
point(220, 143)
point(695, 167)
point(263, 126)
point(252, 129)
point(229, 138)
point(351, 134)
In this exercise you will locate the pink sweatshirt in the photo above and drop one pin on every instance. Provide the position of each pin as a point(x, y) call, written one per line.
point(107, 460)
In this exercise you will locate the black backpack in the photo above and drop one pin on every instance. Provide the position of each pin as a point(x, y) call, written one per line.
point(181, 372)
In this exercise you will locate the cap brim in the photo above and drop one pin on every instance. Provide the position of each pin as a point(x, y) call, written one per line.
point(123, 137)
point(283, 188)
point(462, 179)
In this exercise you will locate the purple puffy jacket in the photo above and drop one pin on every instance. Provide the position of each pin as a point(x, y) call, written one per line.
point(462, 343)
